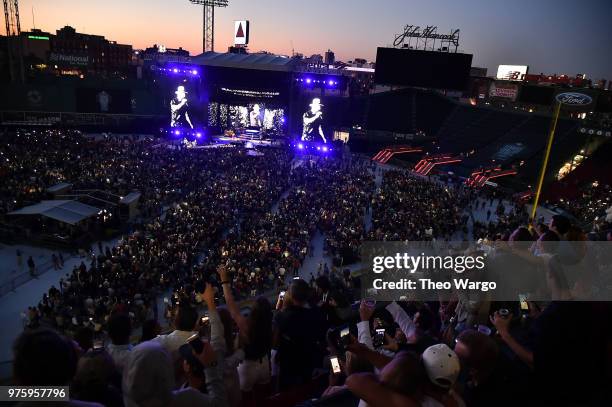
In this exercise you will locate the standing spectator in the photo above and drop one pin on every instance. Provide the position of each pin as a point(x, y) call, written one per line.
point(44, 358)
point(97, 379)
point(55, 262)
point(185, 325)
point(119, 330)
point(299, 334)
point(31, 266)
point(148, 379)
point(255, 332)
point(150, 329)
point(19, 260)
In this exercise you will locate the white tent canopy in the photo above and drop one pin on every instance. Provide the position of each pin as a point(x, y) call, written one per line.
point(71, 212)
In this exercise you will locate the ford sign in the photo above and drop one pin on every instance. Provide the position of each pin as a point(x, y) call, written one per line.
point(574, 99)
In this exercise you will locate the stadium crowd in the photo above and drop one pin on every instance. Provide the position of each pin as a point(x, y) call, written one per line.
point(246, 332)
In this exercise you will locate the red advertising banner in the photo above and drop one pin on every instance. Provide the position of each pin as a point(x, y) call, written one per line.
point(503, 91)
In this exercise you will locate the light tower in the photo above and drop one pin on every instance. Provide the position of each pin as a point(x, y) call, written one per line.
point(208, 35)
point(13, 40)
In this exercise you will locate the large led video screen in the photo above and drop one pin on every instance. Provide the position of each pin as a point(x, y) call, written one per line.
point(259, 116)
point(425, 69)
point(183, 104)
point(236, 86)
point(102, 100)
point(313, 122)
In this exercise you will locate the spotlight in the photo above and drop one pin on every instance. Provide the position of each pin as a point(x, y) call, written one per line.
point(300, 146)
point(308, 80)
point(175, 70)
point(325, 149)
point(198, 134)
point(177, 132)
point(194, 72)
point(318, 147)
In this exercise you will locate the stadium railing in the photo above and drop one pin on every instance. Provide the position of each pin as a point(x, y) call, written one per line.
point(20, 279)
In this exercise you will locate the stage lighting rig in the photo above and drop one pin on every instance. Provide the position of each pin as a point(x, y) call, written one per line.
point(208, 34)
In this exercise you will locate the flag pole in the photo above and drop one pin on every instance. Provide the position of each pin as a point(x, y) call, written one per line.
point(551, 137)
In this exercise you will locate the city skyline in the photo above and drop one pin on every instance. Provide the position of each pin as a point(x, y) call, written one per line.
point(561, 38)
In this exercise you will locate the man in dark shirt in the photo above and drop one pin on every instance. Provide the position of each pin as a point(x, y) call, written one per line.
point(299, 334)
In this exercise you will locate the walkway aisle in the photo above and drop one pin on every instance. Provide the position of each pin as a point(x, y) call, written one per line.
point(311, 263)
point(13, 304)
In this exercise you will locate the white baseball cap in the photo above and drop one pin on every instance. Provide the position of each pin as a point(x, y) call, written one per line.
point(442, 365)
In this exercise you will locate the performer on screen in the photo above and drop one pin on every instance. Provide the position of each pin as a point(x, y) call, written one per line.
point(179, 109)
point(312, 122)
point(255, 116)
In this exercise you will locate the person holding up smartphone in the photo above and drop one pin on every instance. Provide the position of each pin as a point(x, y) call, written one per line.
point(149, 377)
point(255, 333)
point(219, 342)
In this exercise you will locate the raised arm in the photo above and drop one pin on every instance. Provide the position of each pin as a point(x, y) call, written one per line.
point(363, 328)
point(367, 387)
point(232, 307)
point(377, 359)
point(213, 371)
point(401, 318)
point(217, 332)
point(502, 324)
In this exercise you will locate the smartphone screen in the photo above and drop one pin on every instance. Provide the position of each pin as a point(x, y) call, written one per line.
point(282, 294)
point(344, 332)
point(204, 320)
point(523, 301)
point(335, 365)
point(380, 331)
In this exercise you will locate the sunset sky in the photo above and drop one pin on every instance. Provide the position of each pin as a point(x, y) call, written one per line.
point(551, 36)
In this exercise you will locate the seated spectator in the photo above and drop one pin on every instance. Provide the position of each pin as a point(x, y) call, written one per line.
point(44, 358)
